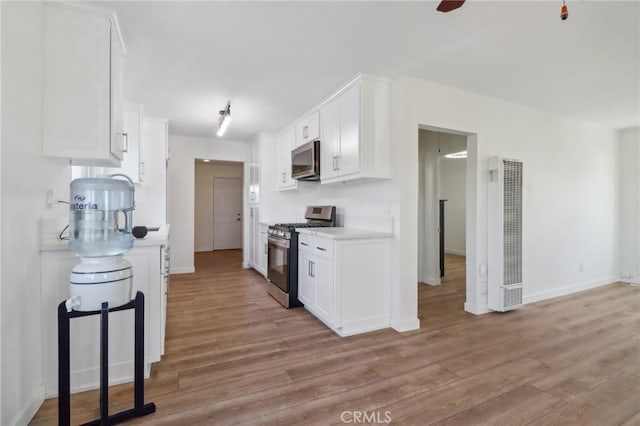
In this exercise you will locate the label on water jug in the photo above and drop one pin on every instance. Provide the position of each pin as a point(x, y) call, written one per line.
point(79, 204)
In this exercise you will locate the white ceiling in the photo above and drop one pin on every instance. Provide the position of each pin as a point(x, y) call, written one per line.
point(276, 60)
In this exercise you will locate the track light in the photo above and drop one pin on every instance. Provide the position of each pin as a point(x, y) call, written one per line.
point(461, 154)
point(224, 120)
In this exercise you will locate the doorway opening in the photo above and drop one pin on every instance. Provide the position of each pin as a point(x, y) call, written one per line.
point(218, 205)
point(442, 224)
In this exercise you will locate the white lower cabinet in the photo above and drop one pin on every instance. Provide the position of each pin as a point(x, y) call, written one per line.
point(148, 276)
point(345, 282)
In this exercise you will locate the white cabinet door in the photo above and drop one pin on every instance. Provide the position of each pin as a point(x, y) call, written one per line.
point(82, 112)
point(340, 153)
point(306, 280)
point(285, 143)
point(264, 254)
point(253, 164)
point(330, 144)
point(308, 128)
point(117, 127)
point(348, 161)
point(254, 237)
point(322, 270)
point(151, 198)
point(132, 163)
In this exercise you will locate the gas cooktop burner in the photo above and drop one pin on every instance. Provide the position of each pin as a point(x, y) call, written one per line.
point(301, 225)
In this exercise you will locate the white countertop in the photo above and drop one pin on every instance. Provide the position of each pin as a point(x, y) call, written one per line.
point(339, 233)
point(153, 238)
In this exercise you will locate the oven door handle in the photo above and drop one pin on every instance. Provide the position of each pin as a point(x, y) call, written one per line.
point(279, 243)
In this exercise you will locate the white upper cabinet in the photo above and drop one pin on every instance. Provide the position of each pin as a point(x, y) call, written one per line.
point(285, 144)
point(83, 56)
point(355, 128)
point(253, 161)
point(308, 128)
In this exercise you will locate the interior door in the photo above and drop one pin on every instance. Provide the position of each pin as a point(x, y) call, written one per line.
point(227, 213)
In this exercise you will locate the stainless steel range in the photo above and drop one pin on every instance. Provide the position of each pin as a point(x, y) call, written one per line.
point(282, 270)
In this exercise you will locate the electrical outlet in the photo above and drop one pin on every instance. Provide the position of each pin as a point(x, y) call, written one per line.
point(482, 271)
point(581, 267)
point(49, 198)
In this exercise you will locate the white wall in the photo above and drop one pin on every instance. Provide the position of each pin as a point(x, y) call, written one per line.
point(570, 189)
point(630, 205)
point(1, 381)
point(453, 172)
point(204, 175)
point(26, 176)
point(181, 190)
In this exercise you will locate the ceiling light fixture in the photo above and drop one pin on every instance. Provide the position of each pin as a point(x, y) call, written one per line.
point(461, 154)
point(224, 120)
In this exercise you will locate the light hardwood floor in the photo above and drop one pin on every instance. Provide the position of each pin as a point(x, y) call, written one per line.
point(234, 356)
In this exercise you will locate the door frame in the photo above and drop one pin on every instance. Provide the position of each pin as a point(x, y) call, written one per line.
point(475, 275)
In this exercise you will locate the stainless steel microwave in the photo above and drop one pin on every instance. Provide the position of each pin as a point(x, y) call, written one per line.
point(305, 161)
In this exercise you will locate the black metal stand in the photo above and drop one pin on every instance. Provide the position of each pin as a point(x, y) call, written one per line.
point(442, 237)
point(64, 367)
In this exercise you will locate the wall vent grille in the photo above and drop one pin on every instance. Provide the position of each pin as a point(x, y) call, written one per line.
point(511, 297)
point(505, 224)
point(512, 222)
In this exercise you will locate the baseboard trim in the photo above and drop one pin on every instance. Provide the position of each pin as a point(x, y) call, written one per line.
point(182, 270)
point(89, 379)
point(476, 309)
point(456, 252)
point(25, 416)
point(564, 291)
point(433, 281)
point(629, 281)
point(405, 324)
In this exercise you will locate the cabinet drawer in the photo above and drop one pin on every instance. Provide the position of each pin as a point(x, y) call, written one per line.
point(323, 247)
point(308, 129)
point(306, 242)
